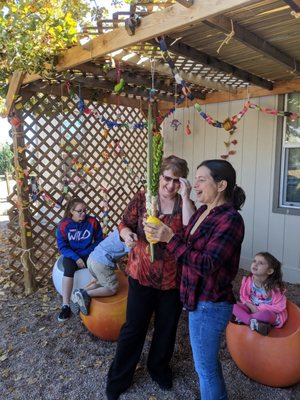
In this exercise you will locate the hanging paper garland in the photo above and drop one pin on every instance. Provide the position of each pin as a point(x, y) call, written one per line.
point(104, 205)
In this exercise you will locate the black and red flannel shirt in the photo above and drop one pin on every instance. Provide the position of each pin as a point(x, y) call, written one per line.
point(210, 256)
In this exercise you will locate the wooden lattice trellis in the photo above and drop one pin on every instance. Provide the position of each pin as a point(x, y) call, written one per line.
point(69, 153)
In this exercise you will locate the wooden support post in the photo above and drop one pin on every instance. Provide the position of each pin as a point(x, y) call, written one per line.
point(7, 179)
point(24, 214)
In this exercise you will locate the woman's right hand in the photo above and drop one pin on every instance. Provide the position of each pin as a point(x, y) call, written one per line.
point(185, 188)
point(80, 263)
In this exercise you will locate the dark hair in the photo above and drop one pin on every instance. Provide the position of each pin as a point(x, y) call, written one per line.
point(71, 205)
point(274, 281)
point(178, 166)
point(222, 170)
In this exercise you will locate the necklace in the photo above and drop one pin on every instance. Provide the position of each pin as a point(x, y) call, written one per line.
point(174, 211)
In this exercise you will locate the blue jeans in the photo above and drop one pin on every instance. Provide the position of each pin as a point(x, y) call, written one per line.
point(207, 325)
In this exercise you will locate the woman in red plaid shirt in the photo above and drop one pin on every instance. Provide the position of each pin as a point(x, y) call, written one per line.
point(153, 287)
point(209, 252)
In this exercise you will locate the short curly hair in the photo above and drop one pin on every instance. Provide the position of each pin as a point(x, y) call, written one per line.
point(178, 166)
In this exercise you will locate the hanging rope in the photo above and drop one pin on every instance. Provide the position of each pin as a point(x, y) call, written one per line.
point(228, 37)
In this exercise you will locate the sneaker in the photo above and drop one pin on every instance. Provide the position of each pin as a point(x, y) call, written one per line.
point(261, 327)
point(83, 300)
point(64, 314)
point(73, 304)
point(74, 308)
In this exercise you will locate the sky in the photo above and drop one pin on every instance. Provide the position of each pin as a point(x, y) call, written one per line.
point(4, 128)
point(4, 124)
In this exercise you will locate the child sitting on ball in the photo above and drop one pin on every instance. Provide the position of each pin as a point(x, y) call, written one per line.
point(102, 265)
point(262, 294)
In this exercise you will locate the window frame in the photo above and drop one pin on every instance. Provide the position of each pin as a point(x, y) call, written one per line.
point(281, 160)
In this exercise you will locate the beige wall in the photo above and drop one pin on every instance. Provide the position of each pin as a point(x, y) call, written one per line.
point(254, 162)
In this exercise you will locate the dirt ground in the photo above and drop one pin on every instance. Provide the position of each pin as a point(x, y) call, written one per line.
point(43, 359)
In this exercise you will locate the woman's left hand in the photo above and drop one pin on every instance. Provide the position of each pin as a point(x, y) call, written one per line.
point(158, 232)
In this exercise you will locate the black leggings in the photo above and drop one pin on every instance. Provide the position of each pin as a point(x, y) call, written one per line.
point(70, 266)
point(143, 302)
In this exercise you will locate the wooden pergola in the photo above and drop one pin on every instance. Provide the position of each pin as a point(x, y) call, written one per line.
point(216, 49)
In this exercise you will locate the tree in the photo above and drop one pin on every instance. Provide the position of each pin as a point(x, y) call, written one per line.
point(34, 33)
point(6, 157)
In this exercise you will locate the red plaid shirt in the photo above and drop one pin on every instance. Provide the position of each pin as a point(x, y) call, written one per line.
point(163, 272)
point(210, 256)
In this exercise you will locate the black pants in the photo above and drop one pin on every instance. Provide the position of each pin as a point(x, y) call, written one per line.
point(70, 266)
point(142, 302)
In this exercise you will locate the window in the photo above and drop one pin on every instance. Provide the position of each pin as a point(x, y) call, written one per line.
point(287, 192)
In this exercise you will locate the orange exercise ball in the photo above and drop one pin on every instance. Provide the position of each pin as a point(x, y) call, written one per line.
point(272, 360)
point(108, 314)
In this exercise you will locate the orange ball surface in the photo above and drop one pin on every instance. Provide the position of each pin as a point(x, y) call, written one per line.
point(108, 314)
point(272, 360)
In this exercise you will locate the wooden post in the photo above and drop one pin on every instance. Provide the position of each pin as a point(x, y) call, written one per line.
point(23, 202)
point(7, 176)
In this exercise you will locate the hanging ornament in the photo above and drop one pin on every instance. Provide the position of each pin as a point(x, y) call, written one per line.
point(105, 133)
point(119, 86)
point(15, 120)
point(188, 129)
point(175, 124)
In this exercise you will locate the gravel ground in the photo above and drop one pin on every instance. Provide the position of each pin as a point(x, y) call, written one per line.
point(43, 359)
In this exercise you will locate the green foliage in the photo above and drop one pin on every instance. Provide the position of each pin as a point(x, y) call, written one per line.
point(34, 33)
point(6, 157)
point(158, 152)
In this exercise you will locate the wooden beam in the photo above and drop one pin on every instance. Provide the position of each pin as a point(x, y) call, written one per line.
point(153, 25)
point(132, 77)
point(253, 41)
point(200, 57)
point(294, 4)
point(185, 3)
point(166, 70)
point(282, 87)
point(93, 87)
point(13, 90)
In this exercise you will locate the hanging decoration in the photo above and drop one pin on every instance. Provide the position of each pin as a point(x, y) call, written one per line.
point(15, 120)
point(188, 129)
point(185, 89)
point(104, 205)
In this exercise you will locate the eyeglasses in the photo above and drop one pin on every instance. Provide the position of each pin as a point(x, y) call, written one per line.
point(81, 211)
point(176, 181)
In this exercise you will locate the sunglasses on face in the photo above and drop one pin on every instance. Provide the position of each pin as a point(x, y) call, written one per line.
point(168, 179)
point(81, 211)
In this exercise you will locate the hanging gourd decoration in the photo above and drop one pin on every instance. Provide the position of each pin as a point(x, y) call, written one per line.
point(119, 86)
point(188, 129)
point(15, 121)
point(105, 133)
point(229, 126)
point(154, 158)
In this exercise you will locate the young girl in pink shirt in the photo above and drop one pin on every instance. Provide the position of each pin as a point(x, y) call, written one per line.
point(262, 295)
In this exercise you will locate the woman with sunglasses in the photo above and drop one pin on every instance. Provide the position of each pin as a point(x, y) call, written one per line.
point(77, 235)
point(153, 287)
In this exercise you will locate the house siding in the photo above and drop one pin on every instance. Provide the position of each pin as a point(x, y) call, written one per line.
point(254, 162)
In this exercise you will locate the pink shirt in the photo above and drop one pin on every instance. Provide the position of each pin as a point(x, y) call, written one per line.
point(277, 304)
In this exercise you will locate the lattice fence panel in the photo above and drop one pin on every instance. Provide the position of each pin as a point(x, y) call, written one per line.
point(72, 153)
